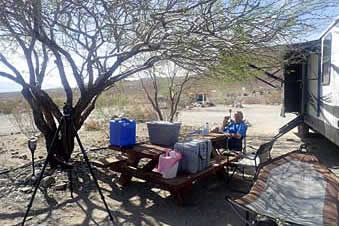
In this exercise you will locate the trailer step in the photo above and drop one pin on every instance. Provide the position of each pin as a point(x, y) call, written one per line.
point(289, 126)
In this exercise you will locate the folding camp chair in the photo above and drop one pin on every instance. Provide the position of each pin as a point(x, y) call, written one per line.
point(295, 188)
point(250, 218)
point(251, 161)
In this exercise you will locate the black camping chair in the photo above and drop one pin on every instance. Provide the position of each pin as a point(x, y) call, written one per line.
point(250, 218)
point(251, 161)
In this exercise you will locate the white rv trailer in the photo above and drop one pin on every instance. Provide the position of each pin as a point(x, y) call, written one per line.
point(311, 84)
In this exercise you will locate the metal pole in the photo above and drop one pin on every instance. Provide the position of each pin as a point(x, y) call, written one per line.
point(247, 218)
point(42, 173)
point(91, 171)
point(33, 165)
point(67, 118)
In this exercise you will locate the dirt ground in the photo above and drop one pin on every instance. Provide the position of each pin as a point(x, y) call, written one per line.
point(140, 203)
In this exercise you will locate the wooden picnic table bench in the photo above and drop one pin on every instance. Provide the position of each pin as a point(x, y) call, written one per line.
point(182, 183)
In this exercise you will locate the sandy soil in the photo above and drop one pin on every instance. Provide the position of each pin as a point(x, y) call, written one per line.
point(140, 203)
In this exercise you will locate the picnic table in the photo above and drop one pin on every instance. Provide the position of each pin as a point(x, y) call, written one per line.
point(180, 185)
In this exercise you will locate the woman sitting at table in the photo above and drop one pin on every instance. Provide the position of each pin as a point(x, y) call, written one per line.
point(235, 130)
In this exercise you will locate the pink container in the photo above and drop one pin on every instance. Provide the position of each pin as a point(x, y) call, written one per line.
point(168, 164)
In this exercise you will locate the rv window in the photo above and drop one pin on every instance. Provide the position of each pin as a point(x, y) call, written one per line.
point(327, 44)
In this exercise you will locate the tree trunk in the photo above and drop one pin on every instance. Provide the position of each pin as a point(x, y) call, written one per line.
point(62, 147)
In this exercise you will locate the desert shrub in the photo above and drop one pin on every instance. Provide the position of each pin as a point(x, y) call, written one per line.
point(267, 97)
point(183, 103)
point(141, 113)
point(109, 106)
point(273, 97)
point(8, 106)
point(218, 100)
point(23, 119)
point(92, 125)
point(25, 123)
point(252, 100)
point(227, 101)
point(116, 99)
point(60, 101)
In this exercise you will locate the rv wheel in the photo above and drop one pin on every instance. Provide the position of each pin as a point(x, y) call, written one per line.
point(303, 130)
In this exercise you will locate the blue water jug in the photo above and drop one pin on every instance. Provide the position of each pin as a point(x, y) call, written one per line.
point(122, 132)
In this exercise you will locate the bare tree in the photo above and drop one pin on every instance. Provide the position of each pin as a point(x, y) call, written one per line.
point(96, 43)
point(174, 79)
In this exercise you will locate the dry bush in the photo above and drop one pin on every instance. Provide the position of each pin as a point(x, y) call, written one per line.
point(270, 97)
point(8, 106)
point(109, 105)
point(23, 119)
point(227, 101)
point(273, 97)
point(253, 100)
point(60, 101)
point(92, 125)
point(141, 113)
point(116, 99)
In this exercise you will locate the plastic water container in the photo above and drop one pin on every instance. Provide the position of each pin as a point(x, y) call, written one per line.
point(171, 172)
point(122, 132)
point(168, 164)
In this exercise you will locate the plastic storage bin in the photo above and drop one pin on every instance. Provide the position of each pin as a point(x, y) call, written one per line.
point(196, 154)
point(122, 132)
point(163, 133)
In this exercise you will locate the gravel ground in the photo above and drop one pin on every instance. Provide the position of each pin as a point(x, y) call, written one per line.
point(140, 203)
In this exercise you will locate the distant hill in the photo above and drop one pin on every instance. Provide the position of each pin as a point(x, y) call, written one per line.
point(9, 95)
point(7, 86)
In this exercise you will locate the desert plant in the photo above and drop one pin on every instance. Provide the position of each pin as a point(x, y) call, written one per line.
point(92, 125)
point(141, 113)
point(253, 100)
point(8, 106)
point(274, 97)
point(227, 101)
point(23, 120)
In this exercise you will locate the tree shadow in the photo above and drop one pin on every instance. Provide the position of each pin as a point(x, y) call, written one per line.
point(326, 151)
point(42, 215)
point(143, 203)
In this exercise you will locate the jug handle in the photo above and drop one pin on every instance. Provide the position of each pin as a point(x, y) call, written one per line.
point(125, 120)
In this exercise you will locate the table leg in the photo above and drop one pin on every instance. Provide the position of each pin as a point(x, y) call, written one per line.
point(125, 178)
point(222, 174)
point(215, 154)
point(183, 194)
point(150, 166)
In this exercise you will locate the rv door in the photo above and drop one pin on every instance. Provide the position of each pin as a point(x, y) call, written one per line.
point(292, 88)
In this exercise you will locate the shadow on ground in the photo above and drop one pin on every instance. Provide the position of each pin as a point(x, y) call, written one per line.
point(326, 151)
point(140, 203)
point(143, 203)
